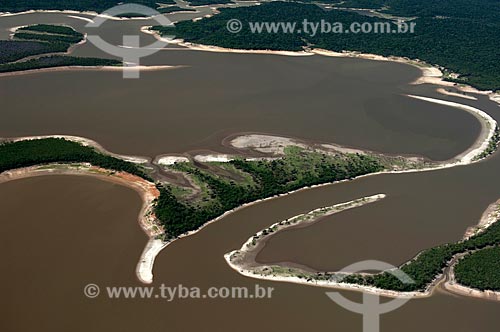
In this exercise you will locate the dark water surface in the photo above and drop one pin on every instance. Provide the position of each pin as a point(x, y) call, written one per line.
point(63, 232)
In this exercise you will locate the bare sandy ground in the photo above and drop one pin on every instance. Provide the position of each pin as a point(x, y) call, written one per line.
point(455, 94)
point(170, 160)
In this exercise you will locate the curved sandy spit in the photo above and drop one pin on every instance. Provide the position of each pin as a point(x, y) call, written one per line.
point(447, 278)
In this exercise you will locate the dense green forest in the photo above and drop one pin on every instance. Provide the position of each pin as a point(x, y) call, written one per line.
point(480, 270)
point(297, 169)
point(52, 29)
point(51, 150)
point(57, 61)
point(458, 35)
point(38, 39)
point(13, 50)
point(430, 263)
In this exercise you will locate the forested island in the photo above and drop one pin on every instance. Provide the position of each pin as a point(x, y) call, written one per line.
point(461, 36)
point(44, 46)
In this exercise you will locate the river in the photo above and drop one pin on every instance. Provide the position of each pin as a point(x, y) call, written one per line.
point(63, 232)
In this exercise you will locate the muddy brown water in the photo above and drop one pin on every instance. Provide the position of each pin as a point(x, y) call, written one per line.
point(63, 232)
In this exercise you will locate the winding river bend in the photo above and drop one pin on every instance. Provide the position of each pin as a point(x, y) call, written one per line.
point(63, 232)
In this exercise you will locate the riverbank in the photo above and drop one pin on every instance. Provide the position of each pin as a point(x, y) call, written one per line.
point(147, 190)
point(274, 144)
point(243, 260)
point(489, 217)
point(83, 68)
point(431, 74)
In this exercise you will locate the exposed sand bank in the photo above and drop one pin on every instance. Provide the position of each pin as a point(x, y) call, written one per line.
point(276, 144)
point(455, 94)
point(170, 160)
point(243, 260)
point(452, 286)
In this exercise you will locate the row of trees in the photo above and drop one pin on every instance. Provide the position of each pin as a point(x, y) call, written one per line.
point(52, 29)
point(57, 61)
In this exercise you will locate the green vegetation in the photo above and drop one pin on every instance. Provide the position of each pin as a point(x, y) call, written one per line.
point(461, 36)
point(57, 35)
point(492, 145)
point(297, 169)
point(480, 270)
point(48, 37)
point(53, 150)
point(14, 50)
point(223, 187)
point(57, 61)
point(429, 263)
point(52, 29)
point(40, 39)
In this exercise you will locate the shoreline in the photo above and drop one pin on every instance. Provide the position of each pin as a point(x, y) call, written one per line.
point(431, 74)
point(489, 217)
point(145, 265)
point(87, 68)
point(146, 190)
point(247, 266)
